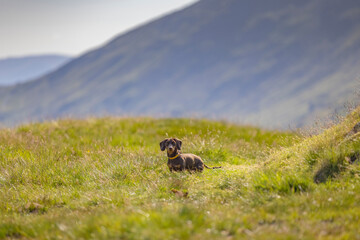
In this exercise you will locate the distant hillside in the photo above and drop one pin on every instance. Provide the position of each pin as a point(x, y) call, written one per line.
point(21, 69)
point(269, 63)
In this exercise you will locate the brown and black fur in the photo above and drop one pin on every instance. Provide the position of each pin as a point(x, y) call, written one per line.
point(183, 162)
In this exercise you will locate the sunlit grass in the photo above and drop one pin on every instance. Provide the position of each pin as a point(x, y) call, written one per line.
point(107, 178)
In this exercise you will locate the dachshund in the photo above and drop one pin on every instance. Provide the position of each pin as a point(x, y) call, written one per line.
point(178, 161)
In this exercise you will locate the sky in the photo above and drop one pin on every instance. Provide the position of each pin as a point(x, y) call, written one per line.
point(72, 27)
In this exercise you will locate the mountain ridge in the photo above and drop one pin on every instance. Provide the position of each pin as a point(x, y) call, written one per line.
point(16, 70)
point(241, 61)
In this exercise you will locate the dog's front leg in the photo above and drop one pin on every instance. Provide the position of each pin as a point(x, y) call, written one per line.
point(170, 165)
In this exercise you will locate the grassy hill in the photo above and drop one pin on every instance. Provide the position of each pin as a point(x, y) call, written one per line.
point(107, 179)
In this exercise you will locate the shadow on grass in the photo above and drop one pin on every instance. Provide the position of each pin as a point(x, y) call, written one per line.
point(332, 167)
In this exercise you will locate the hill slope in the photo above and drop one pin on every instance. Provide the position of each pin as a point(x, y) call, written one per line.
point(271, 63)
point(108, 179)
point(22, 69)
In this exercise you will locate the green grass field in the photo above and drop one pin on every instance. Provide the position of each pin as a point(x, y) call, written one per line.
point(107, 179)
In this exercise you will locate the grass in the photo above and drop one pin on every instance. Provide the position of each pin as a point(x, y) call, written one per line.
point(107, 179)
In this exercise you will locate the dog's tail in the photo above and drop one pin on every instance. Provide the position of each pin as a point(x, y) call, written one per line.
point(211, 167)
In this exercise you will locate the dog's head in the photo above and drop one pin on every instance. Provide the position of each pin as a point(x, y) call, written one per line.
point(170, 144)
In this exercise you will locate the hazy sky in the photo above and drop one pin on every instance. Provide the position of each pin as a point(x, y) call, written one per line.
point(72, 26)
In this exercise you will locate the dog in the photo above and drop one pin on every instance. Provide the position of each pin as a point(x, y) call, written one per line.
point(178, 161)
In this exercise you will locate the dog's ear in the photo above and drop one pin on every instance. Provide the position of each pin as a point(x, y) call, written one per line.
point(162, 145)
point(178, 143)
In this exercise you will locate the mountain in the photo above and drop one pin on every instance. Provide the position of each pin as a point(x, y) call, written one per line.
point(270, 63)
point(22, 69)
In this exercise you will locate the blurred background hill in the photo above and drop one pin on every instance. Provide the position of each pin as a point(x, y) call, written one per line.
point(22, 69)
point(269, 63)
